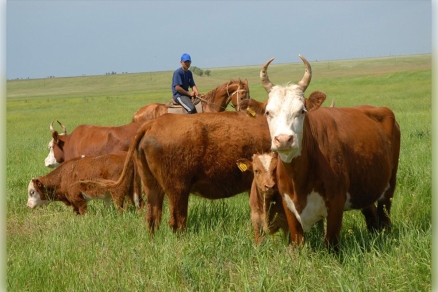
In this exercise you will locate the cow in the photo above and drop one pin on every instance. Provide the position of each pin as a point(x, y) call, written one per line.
point(64, 183)
point(88, 140)
point(97, 140)
point(267, 213)
point(182, 154)
point(331, 159)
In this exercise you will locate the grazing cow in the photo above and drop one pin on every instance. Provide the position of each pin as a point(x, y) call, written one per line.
point(88, 140)
point(267, 213)
point(215, 100)
point(182, 154)
point(64, 183)
point(331, 159)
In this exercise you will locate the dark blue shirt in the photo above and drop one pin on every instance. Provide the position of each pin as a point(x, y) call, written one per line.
point(183, 79)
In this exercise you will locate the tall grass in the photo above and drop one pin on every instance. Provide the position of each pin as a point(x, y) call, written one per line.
point(51, 249)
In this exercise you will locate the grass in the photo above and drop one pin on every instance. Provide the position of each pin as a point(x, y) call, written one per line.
point(52, 249)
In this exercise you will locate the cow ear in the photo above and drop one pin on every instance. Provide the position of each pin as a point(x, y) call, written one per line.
point(55, 137)
point(315, 100)
point(37, 182)
point(244, 164)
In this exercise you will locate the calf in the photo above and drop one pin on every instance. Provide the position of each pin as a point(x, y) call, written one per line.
point(267, 213)
point(64, 183)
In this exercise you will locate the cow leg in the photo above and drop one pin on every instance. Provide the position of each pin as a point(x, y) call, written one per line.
point(118, 200)
point(296, 232)
point(178, 207)
point(334, 225)
point(136, 198)
point(154, 208)
point(153, 191)
point(80, 207)
point(370, 214)
point(256, 215)
point(257, 223)
point(384, 209)
point(320, 226)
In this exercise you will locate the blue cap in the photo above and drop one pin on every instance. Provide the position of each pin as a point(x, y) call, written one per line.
point(186, 57)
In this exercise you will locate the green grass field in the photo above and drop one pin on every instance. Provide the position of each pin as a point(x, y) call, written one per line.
point(51, 249)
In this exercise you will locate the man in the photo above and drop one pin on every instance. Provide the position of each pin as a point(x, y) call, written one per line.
point(181, 81)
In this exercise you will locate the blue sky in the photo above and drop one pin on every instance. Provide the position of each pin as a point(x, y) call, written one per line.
point(74, 38)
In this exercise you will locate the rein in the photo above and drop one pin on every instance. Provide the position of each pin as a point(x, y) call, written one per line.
point(209, 102)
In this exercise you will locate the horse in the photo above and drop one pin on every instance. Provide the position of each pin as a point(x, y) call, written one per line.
point(215, 100)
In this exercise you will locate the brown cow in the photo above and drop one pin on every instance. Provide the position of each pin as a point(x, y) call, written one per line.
point(215, 100)
point(182, 154)
point(331, 159)
point(267, 213)
point(88, 140)
point(97, 140)
point(265, 200)
point(63, 183)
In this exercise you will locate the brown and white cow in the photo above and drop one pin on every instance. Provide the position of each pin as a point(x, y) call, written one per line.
point(331, 159)
point(267, 213)
point(88, 140)
point(63, 183)
point(181, 154)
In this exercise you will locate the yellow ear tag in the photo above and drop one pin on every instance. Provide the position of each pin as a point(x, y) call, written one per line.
point(251, 111)
point(242, 167)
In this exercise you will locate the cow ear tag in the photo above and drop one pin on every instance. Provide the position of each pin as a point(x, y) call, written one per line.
point(250, 111)
point(242, 166)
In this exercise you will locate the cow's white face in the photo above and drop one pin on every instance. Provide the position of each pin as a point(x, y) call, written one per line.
point(50, 160)
point(34, 197)
point(285, 112)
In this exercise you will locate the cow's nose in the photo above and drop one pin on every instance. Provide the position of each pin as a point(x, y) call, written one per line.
point(283, 141)
point(269, 186)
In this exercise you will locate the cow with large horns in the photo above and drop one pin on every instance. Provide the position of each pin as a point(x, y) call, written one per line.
point(97, 140)
point(88, 140)
point(331, 159)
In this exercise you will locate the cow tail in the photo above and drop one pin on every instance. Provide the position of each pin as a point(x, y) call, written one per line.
point(132, 148)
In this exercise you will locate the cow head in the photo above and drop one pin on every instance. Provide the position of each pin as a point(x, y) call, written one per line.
point(264, 168)
point(36, 194)
point(56, 152)
point(286, 110)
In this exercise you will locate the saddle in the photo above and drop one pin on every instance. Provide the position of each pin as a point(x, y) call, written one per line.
point(174, 104)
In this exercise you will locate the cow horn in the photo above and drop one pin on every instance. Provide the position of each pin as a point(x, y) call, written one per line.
point(64, 130)
point(51, 127)
point(307, 75)
point(264, 76)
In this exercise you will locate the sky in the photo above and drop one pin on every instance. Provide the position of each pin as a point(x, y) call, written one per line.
point(75, 38)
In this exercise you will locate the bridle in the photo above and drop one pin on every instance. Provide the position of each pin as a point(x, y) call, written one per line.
point(230, 96)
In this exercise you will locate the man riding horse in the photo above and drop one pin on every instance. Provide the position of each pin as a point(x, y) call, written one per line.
point(181, 81)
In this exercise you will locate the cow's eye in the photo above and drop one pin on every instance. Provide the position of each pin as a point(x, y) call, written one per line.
point(303, 111)
point(256, 171)
point(267, 113)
